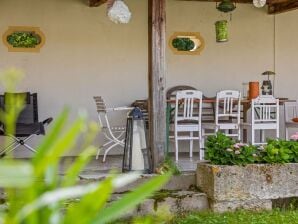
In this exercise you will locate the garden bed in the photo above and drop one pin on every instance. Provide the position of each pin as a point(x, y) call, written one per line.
point(247, 176)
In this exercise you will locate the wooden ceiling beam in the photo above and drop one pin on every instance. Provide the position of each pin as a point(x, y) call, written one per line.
point(275, 8)
point(237, 1)
point(96, 3)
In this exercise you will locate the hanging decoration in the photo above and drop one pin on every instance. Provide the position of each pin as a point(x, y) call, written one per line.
point(226, 6)
point(118, 11)
point(259, 3)
point(221, 28)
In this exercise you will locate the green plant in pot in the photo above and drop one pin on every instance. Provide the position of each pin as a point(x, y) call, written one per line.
point(183, 44)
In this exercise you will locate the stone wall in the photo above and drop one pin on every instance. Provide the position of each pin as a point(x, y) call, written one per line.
point(249, 187)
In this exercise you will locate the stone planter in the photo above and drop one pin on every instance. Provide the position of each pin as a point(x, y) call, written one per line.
point(247, 187)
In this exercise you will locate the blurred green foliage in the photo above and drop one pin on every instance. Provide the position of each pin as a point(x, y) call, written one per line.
point(36, 194)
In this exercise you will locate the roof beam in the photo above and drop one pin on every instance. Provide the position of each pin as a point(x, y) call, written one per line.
point(284, 6)
point(96, 3)
point(237, 1)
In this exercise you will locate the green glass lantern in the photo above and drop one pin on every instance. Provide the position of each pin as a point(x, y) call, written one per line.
point(226, 6)
point(221, 28)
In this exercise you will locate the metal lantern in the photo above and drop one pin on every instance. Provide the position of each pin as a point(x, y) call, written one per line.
point(221, 28)
point(137, 155)
point(268, 84)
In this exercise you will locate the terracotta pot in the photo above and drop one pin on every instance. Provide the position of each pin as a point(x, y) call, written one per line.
point(253, 90)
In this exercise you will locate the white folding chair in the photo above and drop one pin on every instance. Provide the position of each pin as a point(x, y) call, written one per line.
point(114, 134)
point(264, 116)
point(188, 110)
point(291, 111)
point(227, 114)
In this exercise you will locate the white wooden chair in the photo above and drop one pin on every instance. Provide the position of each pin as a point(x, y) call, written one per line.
point(227, 114)
point(188, 110)
point(113, 134)
point(291, 111)
point(264, 116)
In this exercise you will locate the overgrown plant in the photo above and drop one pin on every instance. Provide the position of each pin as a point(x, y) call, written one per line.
point(35, 194)
point(223, 150)
point(280, 151)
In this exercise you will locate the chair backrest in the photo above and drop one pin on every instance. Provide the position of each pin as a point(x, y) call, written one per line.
point(228, 106)
point(188, 105)
point(265, 109)
point(29, 114)
point(171, 93)
point(291, 110)
point(101, 111)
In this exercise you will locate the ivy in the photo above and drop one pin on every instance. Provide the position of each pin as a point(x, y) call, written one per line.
point(23, 39)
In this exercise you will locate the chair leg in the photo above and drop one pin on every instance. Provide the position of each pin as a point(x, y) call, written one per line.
point(107, 151)
point(277, 132)
point(30, 148)
point(201, 145)
point(287, 133)
point(262, 135)
point(176, 146)
point(239, 134)
point(190, 144)
point(252, 136)
point(97, 154)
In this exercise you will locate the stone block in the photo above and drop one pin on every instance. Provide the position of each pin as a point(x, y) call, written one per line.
point(247, 185)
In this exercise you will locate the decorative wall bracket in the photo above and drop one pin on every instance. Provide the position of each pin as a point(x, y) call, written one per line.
point(23, 39)
point(186, 43)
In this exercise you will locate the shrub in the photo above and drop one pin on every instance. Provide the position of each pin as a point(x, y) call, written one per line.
point(280, 151)
point(223, 150)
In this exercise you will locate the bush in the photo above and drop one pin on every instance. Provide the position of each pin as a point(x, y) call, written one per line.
point(280, 151)
point(222, 150)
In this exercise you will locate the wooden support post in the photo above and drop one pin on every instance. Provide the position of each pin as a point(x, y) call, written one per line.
point(157, 70)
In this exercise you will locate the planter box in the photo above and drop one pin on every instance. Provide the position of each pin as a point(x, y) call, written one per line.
point(248, 187)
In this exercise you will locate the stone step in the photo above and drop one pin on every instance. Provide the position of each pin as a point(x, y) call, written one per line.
point(173, 202)
point(184, 181)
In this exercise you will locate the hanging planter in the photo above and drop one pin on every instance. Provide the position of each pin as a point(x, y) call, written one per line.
point(221, 28)
point(226, 6)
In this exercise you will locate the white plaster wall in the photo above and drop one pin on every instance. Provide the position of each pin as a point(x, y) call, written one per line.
point(85, 54)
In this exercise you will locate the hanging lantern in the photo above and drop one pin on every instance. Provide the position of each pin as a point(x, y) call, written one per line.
point(137, 155)
point(268, 84)
point(221, 28)
point(226, 6)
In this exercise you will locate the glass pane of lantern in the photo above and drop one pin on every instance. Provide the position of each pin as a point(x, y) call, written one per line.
point(139, 143)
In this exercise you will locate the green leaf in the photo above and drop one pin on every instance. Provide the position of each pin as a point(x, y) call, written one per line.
point(74, 170)
point(15, 174)
point(130, 200)
point(87, 208)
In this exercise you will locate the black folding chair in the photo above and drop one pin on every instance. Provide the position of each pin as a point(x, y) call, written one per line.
point(27, 125)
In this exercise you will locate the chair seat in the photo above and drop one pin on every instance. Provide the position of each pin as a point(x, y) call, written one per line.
point(118, 128)
point(220, 126)
point(260, 126)
point(24, 130)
